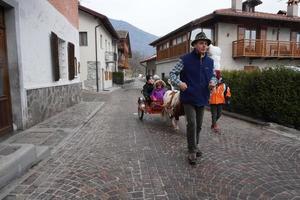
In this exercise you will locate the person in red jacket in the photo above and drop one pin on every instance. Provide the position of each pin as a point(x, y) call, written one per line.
point(218, 97)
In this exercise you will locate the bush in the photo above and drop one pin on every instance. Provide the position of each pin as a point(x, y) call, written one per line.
point(272, 94)
point(118, 78)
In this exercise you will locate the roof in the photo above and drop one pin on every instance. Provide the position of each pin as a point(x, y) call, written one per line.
point(153, 57)
point(103, 19)
point(258, 15)
point(230, 13)
point(122, 33)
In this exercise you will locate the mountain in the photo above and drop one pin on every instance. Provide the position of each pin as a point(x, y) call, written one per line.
point(139, 39)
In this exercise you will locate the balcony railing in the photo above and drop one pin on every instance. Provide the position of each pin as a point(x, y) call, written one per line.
point(110, 56)
point(265, 49)
point(123, 61)
point(173, 51)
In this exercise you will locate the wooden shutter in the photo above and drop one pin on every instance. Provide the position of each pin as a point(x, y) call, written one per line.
point(263, 34)
point(294, 36)
point(71, 59)
point(55, 56)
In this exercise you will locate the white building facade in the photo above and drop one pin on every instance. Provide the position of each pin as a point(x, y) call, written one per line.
point(95, 26)
point(41, 51)
point(248, 39)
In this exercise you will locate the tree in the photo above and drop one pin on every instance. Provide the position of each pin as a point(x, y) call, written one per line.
point(134, 64)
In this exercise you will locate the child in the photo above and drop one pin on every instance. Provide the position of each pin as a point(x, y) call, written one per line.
point(158, 91)
point(217, 99)
point(148, 88)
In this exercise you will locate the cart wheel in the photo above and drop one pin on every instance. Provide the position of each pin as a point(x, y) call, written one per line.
point(140, 113)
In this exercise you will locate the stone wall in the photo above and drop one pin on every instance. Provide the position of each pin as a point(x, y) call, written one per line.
point(43, 103)
point(90, 82)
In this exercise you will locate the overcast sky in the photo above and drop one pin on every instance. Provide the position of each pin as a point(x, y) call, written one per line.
point(160, 17)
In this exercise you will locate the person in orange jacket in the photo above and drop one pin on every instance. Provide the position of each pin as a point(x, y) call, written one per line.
point(218, 97)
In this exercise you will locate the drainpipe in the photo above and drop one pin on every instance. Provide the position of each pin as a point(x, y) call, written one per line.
point(115, 52)
point(96, 52)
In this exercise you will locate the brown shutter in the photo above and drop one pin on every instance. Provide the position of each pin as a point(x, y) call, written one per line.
point(263, 34)
point(71, 59)
point(55, 56)
point(294, 36)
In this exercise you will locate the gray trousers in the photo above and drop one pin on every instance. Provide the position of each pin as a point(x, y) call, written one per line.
point(194, 118)
point(216, 112)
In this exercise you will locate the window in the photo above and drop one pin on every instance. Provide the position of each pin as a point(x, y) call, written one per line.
point(62, 58)
point(298, 37)
point(179, 40)
point(105, 45)
point(250, 37)
point(83, 39)
point(101, 42)
point(298, 40)
point(113, 43)
point(166, 45)
point(174, 42)
point(250, 34)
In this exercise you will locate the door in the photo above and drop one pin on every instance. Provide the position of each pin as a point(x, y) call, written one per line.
point(250, 41)
point(5, 105)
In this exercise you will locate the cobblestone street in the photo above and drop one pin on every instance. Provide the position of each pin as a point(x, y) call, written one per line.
point(117, 156)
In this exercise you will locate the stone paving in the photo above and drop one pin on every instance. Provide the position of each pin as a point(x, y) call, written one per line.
point(117, 156)
point(55, 129)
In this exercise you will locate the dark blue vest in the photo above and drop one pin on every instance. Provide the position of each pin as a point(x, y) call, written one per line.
point(196, 73)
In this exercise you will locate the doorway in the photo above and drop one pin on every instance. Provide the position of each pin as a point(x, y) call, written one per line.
point(5, 102)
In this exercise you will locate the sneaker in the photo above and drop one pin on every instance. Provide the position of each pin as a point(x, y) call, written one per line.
point(215, 128)
point(192, 158)
point(198, 153)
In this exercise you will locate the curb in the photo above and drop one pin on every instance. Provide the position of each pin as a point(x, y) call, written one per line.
point(243, 118)
point(15, 164)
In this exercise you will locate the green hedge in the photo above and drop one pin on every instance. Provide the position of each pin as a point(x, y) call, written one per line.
point(118, 78)
point(272, 94)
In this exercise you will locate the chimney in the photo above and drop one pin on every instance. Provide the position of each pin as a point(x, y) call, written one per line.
point(236, 5)
point(292, 8)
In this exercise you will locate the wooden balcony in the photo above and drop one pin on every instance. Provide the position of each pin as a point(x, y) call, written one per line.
point(123, 62)
point(173, 51)
point(265, 49)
